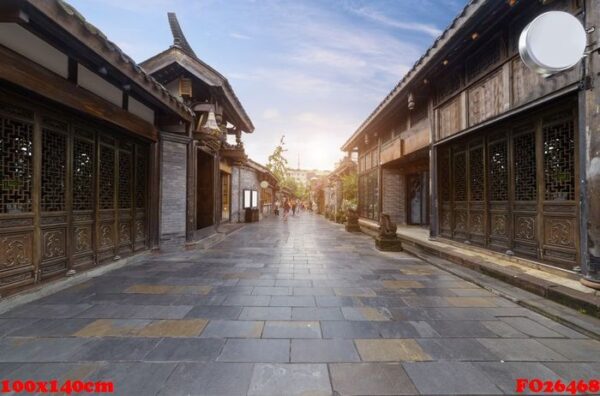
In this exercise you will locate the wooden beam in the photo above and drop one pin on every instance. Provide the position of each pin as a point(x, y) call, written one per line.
point(19, 70)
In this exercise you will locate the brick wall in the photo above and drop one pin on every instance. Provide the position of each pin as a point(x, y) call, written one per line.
point(173, 191)
point(242, 178)
point(394, 195)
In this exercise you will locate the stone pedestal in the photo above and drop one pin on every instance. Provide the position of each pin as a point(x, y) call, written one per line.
point(388, 244)
point(352, 227)
point(352, 221)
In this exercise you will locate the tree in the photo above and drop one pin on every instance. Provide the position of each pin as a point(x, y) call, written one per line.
point(277, 162)
point(350, 188)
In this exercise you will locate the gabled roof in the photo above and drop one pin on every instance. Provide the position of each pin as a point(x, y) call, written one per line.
point(69, 19)
point(440, 44)
point(181, 53)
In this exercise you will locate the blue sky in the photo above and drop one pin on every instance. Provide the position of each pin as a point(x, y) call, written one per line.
point(312, 70)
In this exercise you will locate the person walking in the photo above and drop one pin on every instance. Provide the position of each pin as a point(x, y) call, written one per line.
point(294, 206)
point(286, 209)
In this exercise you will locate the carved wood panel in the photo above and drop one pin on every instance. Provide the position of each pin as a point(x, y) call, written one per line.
point(486, 99)
point(450, 118)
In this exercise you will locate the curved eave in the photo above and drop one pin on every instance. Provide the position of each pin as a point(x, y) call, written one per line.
point(439, 45)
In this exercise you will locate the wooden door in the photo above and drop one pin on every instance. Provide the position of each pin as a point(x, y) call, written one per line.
point(498, 197)
point(125, 198)
point(477, 204)
point(459, 187)
point(106, 234)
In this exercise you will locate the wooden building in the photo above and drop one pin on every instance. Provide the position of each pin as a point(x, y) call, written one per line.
point(478, 148)
point(210, 158)
point(81, 126)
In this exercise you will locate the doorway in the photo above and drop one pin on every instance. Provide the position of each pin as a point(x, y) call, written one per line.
point(205, 198)
point(417, 185)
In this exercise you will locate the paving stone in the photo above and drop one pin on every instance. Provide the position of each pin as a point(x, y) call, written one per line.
point(186, 350)
point(121, 311)
point(216, 379)
point(138, 378)
point(354, 292)
point(116, 349)
point(350, 330)
point(248, 301)
point(574, 371)
point(292, 301)
point(173, 328)
point(323, 351)
point(398, 330)
point(290, 379)
point(272, 291)
point(295, 283)
point(424, 329)
point(455, 328)
point(13, 325)
point(50, 327)
point(113, 328)
point(402, 284)
point(214, 312)
point(292, 329)
point(255, 351)
point(577, 350)
point(505, 374)
point(316, 313)
point(521, 350)
point(502, 329)
point(366, 313)
point(232, 329)
point(45, 372)
point(370, 379)
point(266, 313)
point(313, 291)
point(390, 350)
point(529, 327)
point(456, 349)
point(336, 301)
point(450, 378)
point(46, 311)
point(28, 349)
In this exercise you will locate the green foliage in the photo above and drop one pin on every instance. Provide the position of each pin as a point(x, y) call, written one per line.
point(350, 188)
point(277, 162)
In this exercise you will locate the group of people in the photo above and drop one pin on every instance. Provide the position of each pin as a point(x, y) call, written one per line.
point(289, 205)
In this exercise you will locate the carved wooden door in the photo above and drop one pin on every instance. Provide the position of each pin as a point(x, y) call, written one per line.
point(54, 218)
point(477, 167)
point(460, 200)
point(560, 239)
point(83, 198)
point(499, 208)
point(445, 192)
point(125, 200)
point(17, 217)
point(525, 197)
point(106, 221)
point(141, 186)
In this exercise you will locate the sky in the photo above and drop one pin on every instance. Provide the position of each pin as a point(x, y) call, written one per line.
point(312, 70)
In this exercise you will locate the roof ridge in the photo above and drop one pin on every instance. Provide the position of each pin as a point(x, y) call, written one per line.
point(179, 39)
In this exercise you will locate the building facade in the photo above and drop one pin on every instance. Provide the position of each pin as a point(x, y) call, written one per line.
point(479, 149)
point(211, 164)
point(81, 132)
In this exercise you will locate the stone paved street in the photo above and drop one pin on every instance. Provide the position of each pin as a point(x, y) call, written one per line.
point(292, 308)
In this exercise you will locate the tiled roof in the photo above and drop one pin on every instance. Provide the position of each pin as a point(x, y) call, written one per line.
point(143, 78)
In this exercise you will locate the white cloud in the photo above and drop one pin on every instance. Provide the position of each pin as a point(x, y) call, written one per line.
point(239, 36)
point(270, 114)
point(378, 17)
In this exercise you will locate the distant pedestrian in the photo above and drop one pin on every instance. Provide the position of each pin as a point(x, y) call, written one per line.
point(277, 204)
point(294, 206)
point(286, 209)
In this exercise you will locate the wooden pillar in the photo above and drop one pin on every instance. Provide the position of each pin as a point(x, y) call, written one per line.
point(589, 157)
point(191, 192)
point(154, 196)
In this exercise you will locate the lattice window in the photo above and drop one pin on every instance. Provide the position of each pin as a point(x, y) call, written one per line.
point(54, 160)
point(559, 160)
point(107, 177)
point(525, 168)
point(460, 176)
point(444, 176)
point(498, 157)
point(140, 182)
point(476, 176)
point(83, 175)
point(124, 180)
point(16, 161)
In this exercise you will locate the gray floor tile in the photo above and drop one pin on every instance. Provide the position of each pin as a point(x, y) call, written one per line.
point(370, 379)
point(266, 313)
point(232, 329)
point(317, 313)
point(450, 378)
point(255, 351)
point(292, 329)
point(186, 350)
point(323, 351)
point(290, 379)
point(209, 379)
point(525, 350)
